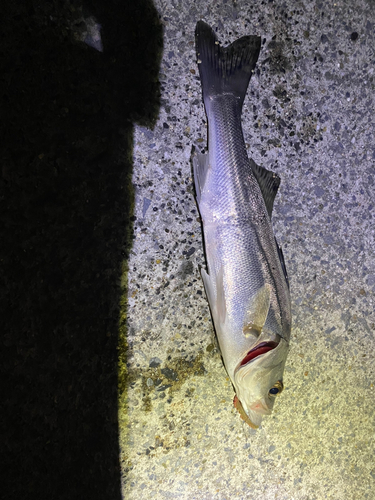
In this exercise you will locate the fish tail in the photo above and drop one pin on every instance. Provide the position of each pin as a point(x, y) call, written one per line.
point(225, 70)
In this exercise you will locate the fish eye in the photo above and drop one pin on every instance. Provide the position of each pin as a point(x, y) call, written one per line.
point(276, 389)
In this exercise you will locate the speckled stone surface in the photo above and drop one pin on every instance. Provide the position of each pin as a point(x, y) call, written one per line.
point(309, 116)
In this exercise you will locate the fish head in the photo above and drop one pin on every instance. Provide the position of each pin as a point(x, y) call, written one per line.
point(258, 380)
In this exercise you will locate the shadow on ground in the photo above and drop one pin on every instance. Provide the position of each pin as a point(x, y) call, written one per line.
point(66, 202)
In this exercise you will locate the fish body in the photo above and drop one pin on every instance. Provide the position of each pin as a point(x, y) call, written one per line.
point(246, 283)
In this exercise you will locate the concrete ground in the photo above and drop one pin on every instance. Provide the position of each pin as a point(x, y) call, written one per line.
point(309, 116)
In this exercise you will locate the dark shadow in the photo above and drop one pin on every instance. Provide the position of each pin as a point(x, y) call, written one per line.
point(65, 210)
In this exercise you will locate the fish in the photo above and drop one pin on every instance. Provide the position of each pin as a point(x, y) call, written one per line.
point(246, 281)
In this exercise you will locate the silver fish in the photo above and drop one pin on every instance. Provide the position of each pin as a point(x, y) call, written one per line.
point(246, 285)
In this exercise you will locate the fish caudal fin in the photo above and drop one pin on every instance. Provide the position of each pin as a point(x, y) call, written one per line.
point(225, 70)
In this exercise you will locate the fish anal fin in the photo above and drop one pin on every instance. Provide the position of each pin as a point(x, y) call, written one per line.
point(200, 169)
point(257, 313)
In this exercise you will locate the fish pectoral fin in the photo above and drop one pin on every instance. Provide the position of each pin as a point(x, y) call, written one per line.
point(220, 296)
point(200, 168)
point(216, 295)
point(258, 311)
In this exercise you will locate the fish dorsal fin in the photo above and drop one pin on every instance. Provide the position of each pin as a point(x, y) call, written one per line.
point(258, 311)
point(282, 262)
point(269, 183)
point(200, 169)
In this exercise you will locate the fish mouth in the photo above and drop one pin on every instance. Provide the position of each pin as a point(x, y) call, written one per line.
point(258, 350)
point(238, 405)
